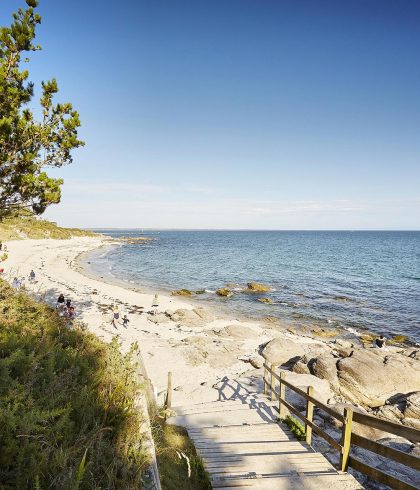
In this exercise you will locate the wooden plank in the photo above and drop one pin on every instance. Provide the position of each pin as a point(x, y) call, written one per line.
point(314, 427)
point(346, 438)
point(311, 398)
point(309, 416)
point(386, 451)
point(380, 476)
point(397, 429)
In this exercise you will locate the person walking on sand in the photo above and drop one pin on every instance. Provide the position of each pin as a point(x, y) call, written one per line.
point(125, 321)
point(115, 316)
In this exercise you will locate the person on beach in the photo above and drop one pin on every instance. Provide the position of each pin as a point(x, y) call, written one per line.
point(68, 303)
point(155, 303)
point(71, 313)
point(125, 321)
point(32, 276)
point(115, 316)
point(15, 283)
point(60, 301)
point(380, 342)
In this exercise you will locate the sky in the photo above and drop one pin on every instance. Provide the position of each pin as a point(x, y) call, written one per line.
point(237, 114)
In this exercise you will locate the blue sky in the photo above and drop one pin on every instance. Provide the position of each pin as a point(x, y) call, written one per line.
point(237, 114)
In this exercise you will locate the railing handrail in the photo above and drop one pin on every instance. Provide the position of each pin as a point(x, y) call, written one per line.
point(347, 436)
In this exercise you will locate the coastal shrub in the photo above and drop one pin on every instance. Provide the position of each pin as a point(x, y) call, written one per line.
point(67, 404)
point(295, 427)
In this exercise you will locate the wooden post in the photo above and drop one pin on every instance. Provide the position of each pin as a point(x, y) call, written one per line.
point(346, 439)
point(282, 396)
point(265, 378)
point(272, 383)
point(168, 402)
point(309, 415)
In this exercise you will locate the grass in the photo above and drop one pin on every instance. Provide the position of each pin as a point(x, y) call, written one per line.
point(295, 427)
point(67, 404)
point(26, 225)
point(177, 457)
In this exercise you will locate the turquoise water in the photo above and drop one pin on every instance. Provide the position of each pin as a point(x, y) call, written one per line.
point(356, 280)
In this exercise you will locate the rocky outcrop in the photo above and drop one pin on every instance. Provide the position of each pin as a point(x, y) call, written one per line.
point(182, 292)
point(225, 292)
point(281, 351)
point(256, 287)
point(197, 317)
point(236, 331)
point(371, 376)
point(267, 301)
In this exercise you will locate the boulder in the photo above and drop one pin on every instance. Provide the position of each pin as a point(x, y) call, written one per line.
point(322, 390)
point(182, 292)
point(325, 367)
point(281, 351)
point(225, 292)
point(256, 287)
point(371, 376)
point(267, 301)
point(237, 332)
point(193, 318)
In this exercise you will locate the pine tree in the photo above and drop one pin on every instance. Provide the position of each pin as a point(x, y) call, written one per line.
point(28, 146)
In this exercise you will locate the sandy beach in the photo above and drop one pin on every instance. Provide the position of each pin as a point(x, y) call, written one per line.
point(198, 350)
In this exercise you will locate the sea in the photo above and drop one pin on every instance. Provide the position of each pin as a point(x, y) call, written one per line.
point(354, 280)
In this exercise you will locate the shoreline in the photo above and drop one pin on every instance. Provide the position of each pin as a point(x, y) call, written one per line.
point(196, 344)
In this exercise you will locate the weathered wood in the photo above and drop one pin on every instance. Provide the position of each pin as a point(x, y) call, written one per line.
point(265, 378)
point(309, 416)
point(346, 438)
point(380, 476)
point(272, 383)
point(304, 395)
point(397, 429)
point(386, 451)
point(314, 427)
point(282, 396)
point(168, 401)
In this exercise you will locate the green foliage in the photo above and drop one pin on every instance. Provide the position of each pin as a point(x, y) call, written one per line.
point(25, 225)
point(29, 146)
point(295, 427)
point(173, 446)
point(67, 413)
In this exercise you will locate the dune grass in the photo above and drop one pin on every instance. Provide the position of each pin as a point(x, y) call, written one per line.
point(26, 225)
point(179, 465)
point(67, 404)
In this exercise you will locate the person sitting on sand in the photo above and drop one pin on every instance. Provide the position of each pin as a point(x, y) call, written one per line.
point(380, 342)
point(60, 301)
point(71, 313)
point(125, 321)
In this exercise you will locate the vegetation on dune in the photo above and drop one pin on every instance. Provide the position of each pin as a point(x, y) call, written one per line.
point(295, 427)
point(67, 404)
point(178, 462)
point(26, 225)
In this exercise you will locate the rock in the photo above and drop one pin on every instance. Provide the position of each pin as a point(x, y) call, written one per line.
point(182, 292)
point(226, 292)
point(325, 332)
point(256, 287)
point(281, 351)
point(325, 367)
point(200, 291)
point(267, 301)
point(256, 362)
point(412, 408)
point(371, 376)
point(204, 314)
point(187, 317)
point(159, 318)
point(322, 390)
point(237, 332)
point(300, 368)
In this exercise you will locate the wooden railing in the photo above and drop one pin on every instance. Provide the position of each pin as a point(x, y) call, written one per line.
point(348, 437)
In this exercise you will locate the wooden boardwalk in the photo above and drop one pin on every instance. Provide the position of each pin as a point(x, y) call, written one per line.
point(243, 446)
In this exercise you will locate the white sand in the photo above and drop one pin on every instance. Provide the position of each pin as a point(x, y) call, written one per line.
point(197, 355)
